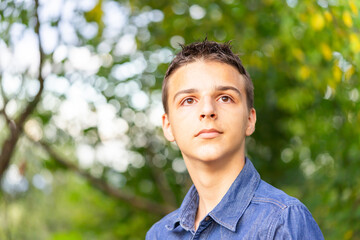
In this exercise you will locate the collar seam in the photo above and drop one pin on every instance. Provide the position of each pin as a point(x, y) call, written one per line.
point(186, 209)
point(228, 226)
point(250, 196)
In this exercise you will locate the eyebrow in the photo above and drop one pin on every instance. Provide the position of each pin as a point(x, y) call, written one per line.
point(185, 91)
point(218, 88)
point(226, 88)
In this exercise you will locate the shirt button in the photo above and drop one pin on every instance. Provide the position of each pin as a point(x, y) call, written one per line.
point(207, 218)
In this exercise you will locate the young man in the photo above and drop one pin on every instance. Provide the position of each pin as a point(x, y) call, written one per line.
point(208, 102)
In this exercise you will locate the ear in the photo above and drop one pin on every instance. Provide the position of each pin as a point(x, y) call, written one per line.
point(166, 126)
point(251, 122)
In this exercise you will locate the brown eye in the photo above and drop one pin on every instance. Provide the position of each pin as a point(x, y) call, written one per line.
point(225, 99)
point(188, 101)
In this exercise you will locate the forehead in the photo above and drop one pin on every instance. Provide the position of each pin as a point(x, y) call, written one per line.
point(203, 75)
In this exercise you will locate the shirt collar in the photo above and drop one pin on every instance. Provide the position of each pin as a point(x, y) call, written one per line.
point(231, 207)
point(185, 215)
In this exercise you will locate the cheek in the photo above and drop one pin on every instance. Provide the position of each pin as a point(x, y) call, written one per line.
point(186, 114)
point(236, 119)
point(182, 125)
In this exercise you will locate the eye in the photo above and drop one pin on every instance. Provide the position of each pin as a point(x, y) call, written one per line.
point(225, 99)
point(188, 101)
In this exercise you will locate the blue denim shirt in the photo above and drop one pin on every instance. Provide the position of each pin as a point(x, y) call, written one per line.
point(251, 209)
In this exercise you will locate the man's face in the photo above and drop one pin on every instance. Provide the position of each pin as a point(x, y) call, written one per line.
point(208, 116)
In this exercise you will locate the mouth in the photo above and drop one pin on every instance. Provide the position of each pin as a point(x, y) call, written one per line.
point(208, 133)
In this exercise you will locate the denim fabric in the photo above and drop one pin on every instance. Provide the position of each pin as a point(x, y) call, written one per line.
point(251, 209)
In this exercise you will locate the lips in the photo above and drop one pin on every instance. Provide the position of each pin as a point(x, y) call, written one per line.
point(208, 133)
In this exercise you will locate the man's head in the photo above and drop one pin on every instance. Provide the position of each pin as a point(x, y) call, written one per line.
point(208, 98)
point(208, 51)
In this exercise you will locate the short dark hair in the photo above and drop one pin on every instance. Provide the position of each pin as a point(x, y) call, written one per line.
point(207, 51)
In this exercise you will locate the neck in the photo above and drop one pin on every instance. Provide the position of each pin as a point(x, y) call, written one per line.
point(212, 180)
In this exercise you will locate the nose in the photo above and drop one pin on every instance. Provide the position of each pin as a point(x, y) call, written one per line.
point(208, 109)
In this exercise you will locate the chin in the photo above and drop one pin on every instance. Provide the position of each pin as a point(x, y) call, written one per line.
point(207, 158)
point(208, 154)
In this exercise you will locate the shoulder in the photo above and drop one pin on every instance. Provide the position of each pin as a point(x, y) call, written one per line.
point(162, 226)
point(289, 218)
point(268, 194)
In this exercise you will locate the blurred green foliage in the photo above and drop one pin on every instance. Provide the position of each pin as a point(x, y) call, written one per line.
point(303, 57)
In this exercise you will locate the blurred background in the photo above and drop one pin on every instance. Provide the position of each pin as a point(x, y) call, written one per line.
point(82, 152)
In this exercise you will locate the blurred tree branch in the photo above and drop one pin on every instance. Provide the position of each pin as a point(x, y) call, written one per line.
point(5, 101)
point(162, 182)
point(133, 200)
point(16, 126)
